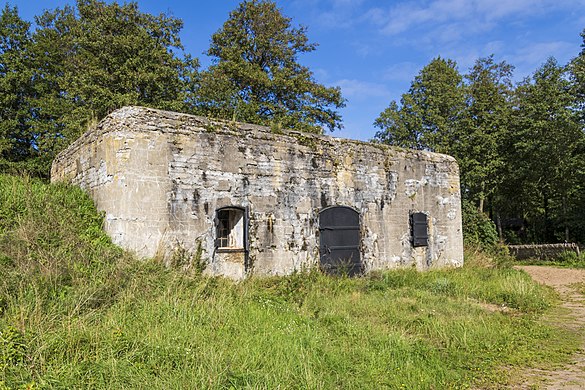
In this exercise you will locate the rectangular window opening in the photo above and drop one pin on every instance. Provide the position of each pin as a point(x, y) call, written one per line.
point(230, 229)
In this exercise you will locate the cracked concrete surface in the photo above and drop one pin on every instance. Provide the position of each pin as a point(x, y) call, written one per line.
point(161, 176)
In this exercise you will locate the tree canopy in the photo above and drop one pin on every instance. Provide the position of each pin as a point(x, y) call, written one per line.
point(80, 64)
point(256, 76)
point(577, 71)
point(16, 142)
point(428, 112)
point(547, 159)
point(483, 127)
point(520, 148)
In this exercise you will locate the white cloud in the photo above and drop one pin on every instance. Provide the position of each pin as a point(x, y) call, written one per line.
point(493, 47)
point(452, 20)
point(375, 15)
point(527, 57)
point(496, 9)
point(404, 16)
point(358, 89)
point(347, 3)
point(331, 14)
point(403, 71)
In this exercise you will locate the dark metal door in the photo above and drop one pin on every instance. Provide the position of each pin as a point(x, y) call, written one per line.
point(339, 231)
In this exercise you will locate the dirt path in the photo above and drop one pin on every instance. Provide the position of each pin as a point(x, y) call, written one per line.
point(564, 281)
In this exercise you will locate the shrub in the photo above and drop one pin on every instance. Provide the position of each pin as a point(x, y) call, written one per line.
point(571, 259)
point(478, 229)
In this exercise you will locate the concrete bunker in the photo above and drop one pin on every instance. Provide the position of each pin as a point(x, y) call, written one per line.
point(253, 201)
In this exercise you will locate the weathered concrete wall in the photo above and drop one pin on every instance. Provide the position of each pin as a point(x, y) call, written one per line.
point(160, 177)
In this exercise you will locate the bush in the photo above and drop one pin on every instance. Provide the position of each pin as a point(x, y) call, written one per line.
point(478, 229)
point(571, 259)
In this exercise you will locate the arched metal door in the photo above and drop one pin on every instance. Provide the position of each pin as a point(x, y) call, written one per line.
point(339, 232)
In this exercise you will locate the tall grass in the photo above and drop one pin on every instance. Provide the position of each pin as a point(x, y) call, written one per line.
point(76, 312)
point(567, 259)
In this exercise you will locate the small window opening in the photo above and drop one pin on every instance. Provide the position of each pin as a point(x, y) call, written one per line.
point(230, 228)
point(419, 228)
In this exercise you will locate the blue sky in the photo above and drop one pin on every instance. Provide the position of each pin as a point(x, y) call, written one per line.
point(372, 49)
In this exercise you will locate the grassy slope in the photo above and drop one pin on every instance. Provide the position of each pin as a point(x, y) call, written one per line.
point(75, 311)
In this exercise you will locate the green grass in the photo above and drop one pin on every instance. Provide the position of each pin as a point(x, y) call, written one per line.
point(76, 312)
point(566, 259)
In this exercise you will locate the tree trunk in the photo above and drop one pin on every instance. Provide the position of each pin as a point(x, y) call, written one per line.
point(565, 222)
point(546, 222)
point(481, 198)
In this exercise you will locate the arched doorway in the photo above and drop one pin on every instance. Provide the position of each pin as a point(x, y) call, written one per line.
point(339, 232)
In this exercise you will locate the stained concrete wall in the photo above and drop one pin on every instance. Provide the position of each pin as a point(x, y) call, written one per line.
point(160, 177)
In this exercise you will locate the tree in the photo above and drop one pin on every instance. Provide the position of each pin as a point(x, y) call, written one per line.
point(577, 69)
point(546, 163)
point(442, 114)
point(16, 144)
point(256, 76)
point(429, 113)
point(487, 116)
point(97, 57)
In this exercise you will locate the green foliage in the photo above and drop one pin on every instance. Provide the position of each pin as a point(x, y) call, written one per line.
point(52, 235)
point(546, 163)
point(79, 313)
point(520, 149)
point(12, 348)
point(80, 64)
point(428, 114)
point(478, 229)
point(567, 259)
point(16, 141)
point(184, 259)
point(577, 72)
point(571, 259)
point(256, 77)
point(484, 128)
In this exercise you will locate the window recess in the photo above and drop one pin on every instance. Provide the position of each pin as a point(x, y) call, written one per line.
point(230, 228)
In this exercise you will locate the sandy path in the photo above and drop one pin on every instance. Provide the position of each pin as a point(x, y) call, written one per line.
point(563, 280)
